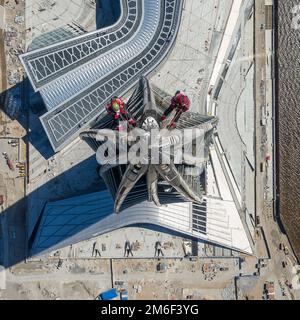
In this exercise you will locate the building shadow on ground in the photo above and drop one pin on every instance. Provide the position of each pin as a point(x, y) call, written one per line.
point(20, 103)
point(21, 219)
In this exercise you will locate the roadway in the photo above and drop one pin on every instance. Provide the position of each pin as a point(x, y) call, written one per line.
point(264, 141)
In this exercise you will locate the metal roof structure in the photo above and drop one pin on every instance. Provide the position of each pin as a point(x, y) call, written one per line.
point(77, 77)
point(58, 35)
point(81, 218)
point(166, 182)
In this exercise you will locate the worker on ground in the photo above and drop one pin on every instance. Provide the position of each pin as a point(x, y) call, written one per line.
point(116, 108)
point(181, 103)
point(128, 249)
point(158, 249)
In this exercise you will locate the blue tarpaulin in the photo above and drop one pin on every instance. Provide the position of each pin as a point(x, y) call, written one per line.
point(108, 295)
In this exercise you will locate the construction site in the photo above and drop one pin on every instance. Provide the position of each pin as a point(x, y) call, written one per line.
point(59, 239)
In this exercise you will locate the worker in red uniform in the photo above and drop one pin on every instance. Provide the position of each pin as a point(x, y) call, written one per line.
point(116, 108)
point(181, 103)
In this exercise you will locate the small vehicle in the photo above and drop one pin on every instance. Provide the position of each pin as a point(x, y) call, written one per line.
point(124, 295)
point(108, 295)
point(12, 141)
point(224, 269)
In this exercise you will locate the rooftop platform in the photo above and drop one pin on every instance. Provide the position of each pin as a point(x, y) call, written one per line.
point(191, 62)
point(81, 218)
